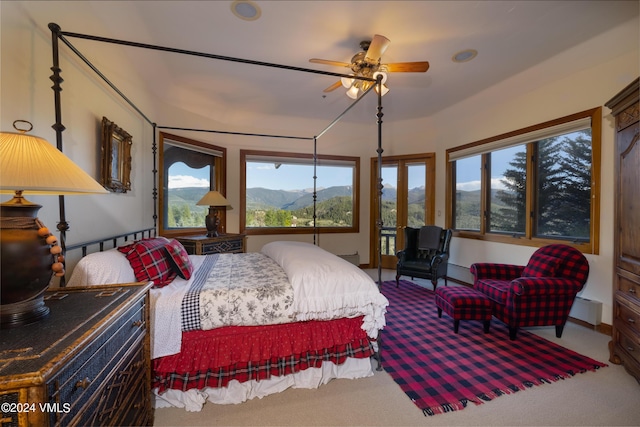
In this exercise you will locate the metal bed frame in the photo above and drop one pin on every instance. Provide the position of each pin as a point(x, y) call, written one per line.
point(57, 36)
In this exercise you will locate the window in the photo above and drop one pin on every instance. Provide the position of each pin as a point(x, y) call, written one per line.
point(534, 186)
point(278, 193)
point(188, 170)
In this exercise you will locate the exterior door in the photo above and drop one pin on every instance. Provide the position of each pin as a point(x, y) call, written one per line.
point(407, 200)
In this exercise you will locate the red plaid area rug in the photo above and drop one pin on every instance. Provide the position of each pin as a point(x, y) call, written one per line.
point(442, 371)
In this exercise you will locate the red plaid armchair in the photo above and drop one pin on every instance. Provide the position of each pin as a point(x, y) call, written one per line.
point(538, 294)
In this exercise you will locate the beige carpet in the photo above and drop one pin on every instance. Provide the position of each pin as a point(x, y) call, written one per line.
point(607, 397)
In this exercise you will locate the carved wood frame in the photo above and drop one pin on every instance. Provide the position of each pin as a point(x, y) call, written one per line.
point(115, 157)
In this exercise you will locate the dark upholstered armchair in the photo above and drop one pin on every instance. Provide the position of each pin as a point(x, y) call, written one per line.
point(425, 255)
point(538, 294)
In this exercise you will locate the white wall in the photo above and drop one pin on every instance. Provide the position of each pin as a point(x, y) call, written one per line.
point(25, 93)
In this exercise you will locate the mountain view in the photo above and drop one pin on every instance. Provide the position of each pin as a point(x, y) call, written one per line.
point(270, 208)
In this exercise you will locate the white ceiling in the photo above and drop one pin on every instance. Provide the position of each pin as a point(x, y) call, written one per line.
point(510, 36)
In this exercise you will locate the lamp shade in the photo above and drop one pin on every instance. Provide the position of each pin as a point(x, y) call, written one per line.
point(214, 198)
point(31, 164)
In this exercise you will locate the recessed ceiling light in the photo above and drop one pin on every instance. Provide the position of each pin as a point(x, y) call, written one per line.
point(464, 55)
point(245, 9)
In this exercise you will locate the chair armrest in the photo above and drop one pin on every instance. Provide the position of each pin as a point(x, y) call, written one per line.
point(545, 286)
point(486, 270)
point(438, 259)
point(401, 255)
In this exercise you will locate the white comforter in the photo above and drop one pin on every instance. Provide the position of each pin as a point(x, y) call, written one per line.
point(325, 287)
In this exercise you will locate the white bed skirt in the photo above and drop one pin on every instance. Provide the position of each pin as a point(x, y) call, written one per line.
point(193, 400)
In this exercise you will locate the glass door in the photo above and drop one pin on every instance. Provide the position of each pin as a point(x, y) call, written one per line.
point(407, 200)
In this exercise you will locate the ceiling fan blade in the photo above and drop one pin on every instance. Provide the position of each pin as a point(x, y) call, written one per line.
point(329, 62)
point(334, 86)
point(377, 47)
point(408, 67)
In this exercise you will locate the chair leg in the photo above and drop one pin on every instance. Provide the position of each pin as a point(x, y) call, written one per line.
point(513, 331)
point(456, 325)
point(559, 329)
point(397, 280)
point(439, 312)
point(434, 282)
point(487, 325)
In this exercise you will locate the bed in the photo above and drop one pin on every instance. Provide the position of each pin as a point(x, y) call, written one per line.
point(231, 327)
point(327, 320)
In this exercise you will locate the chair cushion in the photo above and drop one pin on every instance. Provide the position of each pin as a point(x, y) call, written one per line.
point(496, 290)
point(541, 265)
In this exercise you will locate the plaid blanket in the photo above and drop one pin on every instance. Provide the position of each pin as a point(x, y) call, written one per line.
point(441, 371)
point(237, 290)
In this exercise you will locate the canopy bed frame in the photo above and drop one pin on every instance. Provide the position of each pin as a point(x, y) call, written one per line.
point(58, 35)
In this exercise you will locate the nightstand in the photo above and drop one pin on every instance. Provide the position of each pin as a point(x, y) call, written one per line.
point(87, 363)
point(203, 245)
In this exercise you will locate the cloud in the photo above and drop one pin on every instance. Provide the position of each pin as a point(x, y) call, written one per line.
point(181, 181)
point(496, 184)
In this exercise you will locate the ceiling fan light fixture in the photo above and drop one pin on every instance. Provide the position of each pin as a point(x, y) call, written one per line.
point(384, 89)
point(464, 55)
point(246, 10)
point(380, 73)
point(353, 92)
point(347, 82)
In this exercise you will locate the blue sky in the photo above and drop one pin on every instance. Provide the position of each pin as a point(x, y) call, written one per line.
point(286, 177)
point(299, 177)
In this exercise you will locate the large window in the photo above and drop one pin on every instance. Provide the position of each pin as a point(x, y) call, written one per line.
point(534, 186)
point(188, 170)
point(278, 198)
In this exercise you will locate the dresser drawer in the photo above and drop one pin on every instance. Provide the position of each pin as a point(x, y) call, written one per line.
point(627, 286)
point(75, 386)
point(630, 344)
point(629, 317)
point(120, 400)
point(227, 246)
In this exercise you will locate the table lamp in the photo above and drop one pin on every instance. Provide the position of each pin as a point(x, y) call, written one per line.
point(215, 201)
point(29, 252)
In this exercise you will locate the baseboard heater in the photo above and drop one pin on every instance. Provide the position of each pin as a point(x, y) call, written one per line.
point(587, 310)
point(352, 258)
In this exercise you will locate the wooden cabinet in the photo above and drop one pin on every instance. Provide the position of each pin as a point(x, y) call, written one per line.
point(625, 344)
point(87, 363)
point(203, 245)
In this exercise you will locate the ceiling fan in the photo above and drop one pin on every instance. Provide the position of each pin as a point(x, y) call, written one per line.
point(366, 63)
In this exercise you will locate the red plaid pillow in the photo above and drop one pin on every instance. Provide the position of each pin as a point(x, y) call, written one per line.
point(149, 261)
point(541, 265)
point(179, 259)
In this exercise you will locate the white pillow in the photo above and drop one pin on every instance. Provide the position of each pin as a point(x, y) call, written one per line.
point(102, 268)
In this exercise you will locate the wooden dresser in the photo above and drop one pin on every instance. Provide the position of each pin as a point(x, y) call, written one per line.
point(625, 344)
point(203, 245)
point(87, 363)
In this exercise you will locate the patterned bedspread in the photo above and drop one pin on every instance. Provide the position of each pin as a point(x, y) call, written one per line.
point(245, 289)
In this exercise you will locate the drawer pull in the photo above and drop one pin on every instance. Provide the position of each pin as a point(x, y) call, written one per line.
point(632, 290)
point(84, 383)
point(137, 323)
point(629, 348)
point(631, 320)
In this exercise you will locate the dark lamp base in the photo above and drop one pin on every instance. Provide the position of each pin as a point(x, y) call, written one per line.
point(23, 313)
point(26, 261)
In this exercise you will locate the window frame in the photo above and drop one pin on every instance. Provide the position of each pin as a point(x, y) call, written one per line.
point(529, 137)
point(283, 156)
point(220, 174)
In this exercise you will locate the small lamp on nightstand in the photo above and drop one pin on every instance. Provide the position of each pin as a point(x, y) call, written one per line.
point(29, 252)
point(215, 201)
